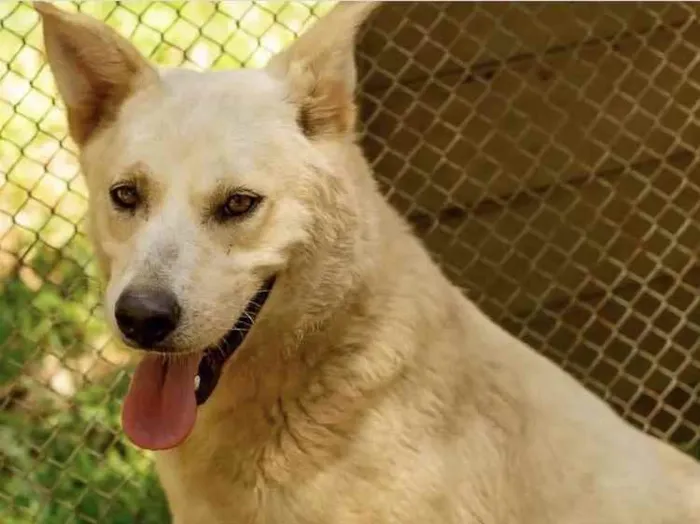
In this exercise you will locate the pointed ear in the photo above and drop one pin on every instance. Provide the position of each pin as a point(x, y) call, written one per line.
point(319, 69)
point(95, 69)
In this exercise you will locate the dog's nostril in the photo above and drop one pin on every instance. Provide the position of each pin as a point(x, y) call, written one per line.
point(147, 316)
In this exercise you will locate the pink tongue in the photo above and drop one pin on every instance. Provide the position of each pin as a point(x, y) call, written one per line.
point(160, 408)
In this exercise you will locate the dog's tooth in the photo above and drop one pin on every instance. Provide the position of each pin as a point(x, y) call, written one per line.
point(196, 382)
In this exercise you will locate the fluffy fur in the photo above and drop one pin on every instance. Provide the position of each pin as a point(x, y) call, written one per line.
point(370, 389)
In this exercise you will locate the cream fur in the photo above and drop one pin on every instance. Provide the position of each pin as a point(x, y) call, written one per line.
point(370, 389)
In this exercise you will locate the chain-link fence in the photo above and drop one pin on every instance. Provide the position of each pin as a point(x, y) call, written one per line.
point(545, 152)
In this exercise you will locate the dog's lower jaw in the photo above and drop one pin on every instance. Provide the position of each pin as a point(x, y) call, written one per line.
point(214, 358)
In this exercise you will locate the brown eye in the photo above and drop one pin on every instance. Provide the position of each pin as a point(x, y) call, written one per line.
point(239, 204)
point(125, 196)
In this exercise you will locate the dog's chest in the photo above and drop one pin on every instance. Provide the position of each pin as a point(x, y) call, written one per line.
point(200, 490)
point(334, 497)
point(216, 481)
point(353, 489)
point(305, 473)
point(219, 495)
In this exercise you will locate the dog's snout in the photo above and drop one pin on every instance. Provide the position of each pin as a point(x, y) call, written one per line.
point(147, 316)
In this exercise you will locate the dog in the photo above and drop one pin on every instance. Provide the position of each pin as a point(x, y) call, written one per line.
point(305, 361)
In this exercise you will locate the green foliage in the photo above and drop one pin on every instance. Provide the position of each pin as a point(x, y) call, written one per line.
point(67, 465)
point(57, 317)
point(63, 460)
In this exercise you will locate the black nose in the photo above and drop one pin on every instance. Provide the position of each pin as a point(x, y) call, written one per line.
point(147, 316)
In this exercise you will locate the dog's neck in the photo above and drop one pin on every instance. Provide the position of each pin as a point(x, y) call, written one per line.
point(310, 367)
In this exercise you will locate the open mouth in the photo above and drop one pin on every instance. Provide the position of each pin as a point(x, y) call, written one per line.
point(215, 357)
point(160, 408)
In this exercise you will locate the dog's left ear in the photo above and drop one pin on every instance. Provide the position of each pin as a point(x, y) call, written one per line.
point(319, 69)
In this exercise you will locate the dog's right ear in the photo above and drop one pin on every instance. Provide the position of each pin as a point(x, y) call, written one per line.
point(319, 70)
point(95, 69)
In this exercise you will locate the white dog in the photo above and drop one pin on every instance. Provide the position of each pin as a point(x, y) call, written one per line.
point(306, 360)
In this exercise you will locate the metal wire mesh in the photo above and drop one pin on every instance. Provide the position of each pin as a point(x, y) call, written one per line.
point(547, 155)
point(545, 152)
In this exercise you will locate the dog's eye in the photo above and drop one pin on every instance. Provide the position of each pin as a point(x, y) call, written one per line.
point(125, 196)
point(239, 204)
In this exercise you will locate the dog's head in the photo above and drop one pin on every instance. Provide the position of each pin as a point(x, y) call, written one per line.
point(202, 185)
point(206, 187)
